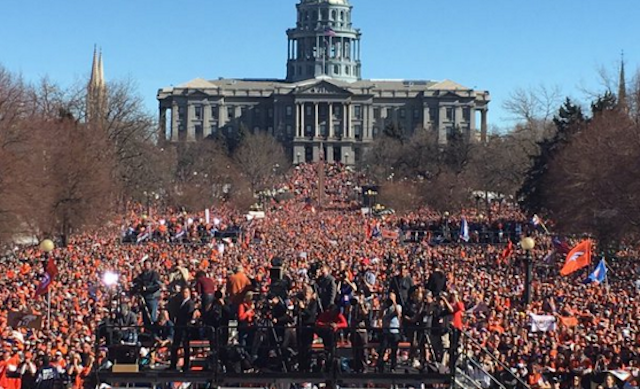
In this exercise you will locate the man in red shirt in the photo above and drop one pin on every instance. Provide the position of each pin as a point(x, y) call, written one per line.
point(329, 322)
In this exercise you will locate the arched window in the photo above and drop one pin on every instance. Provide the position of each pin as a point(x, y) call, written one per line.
point(325, 14)
point(333, 14)
point(346, 70)
point(336, 69)
point(341, 15)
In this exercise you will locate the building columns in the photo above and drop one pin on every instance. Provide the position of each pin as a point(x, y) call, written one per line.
point(349, 126)
point(302, 114)
point(442, 131)
point(163, 124)
point(297, 120)
point(426, 117)
point(175, 114)
point(483, 125)
point(316, 130)
point(345, 131)
point(330, 120)
point(206, 120)
point(191, 129)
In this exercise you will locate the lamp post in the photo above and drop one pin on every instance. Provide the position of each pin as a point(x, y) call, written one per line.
point(528, 244)
point(47, 246)
point(298, 157)
point(346, 158)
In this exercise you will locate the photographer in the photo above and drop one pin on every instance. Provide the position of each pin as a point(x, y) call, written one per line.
point(147, 285)
point(402, 284)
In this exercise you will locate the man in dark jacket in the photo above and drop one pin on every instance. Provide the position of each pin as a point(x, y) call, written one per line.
point(308, 313)
point(402, 285)
point(181, 337)
point(47, 376)
point(327, 288)
point(147, 284)
point(437, 282)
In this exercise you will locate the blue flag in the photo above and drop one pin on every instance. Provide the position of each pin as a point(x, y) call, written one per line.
point(464, 230)
point(599, 273)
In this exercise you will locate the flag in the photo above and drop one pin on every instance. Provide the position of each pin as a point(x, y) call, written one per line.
point(537, 221)
point(542, 323)
point(561, 245)
point(599, 273)
point(507, 252)
point(43, 286)
point(464, 230)
point(329, 32)
point(578, 257)
point(390, 234)
point(51, 267)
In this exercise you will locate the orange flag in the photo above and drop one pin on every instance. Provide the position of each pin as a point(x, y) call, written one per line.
point(578, 257)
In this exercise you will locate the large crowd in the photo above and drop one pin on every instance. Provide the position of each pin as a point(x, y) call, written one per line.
point(340, 268)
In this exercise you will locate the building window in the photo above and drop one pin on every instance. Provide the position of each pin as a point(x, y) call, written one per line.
point(337, 110)
point(334, 15)
point(214, 111)
point(449, 114)
point(308, 131)
point(310, 70)
point(347, 69)
point(433, 114)
point(231, 112)
point(466, 114)
point(289, 130)
point(198, 111)
point(416, 114)
point(389, 112)
point(308, 109)
point(289, 111)
point(357, 130)
point(214, 129)
point(243, 112)
point(256, 112)
point(323, 130)
point(357, 111)
point(336, 69)
point(376, 113)
point(403, 113)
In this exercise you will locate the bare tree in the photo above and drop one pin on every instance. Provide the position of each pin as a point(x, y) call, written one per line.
point(260, 158)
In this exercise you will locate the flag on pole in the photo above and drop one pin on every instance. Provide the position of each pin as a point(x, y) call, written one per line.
point(599, 274)
point(507, 252)
point(329, 32)
point(50, 271)
point(464, 230)
point(578, 257)
point(561, 245)
point(537, 221)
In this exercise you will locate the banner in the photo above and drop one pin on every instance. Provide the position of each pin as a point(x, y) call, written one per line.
point(17, 319)
point(542, 323)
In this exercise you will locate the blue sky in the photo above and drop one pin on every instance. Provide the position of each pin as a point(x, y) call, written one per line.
point(498, 45)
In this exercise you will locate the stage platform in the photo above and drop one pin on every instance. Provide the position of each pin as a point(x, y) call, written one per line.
point(267, 378)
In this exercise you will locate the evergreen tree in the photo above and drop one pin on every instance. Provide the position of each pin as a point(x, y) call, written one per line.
point(605, 102)
point(567, 122)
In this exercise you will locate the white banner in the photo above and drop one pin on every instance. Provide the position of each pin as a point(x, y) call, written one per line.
point(542, 323)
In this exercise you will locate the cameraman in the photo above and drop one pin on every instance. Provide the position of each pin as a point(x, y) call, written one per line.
point(147, 285)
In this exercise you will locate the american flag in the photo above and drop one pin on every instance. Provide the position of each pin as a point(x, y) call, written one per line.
point(329, 32)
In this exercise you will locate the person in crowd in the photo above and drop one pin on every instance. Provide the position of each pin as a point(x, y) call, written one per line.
point(391, 319)
point(148, 286)
point(182, 331)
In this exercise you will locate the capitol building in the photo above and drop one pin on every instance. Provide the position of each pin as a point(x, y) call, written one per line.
point(323, 106)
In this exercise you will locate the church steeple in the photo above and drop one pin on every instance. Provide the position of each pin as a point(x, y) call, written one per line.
point(324, 42)
point(96, 89)
point(622, 86)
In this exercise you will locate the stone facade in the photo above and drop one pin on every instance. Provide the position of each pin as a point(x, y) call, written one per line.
point(323, 103)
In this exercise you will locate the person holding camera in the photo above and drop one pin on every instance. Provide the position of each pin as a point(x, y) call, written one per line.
point(391, 319)
point(181, 338)
point(147, 285)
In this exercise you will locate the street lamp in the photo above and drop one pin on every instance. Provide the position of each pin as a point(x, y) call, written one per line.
point(527, 245)
point(346, 158)
point(47, 246)
point(298, 156)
